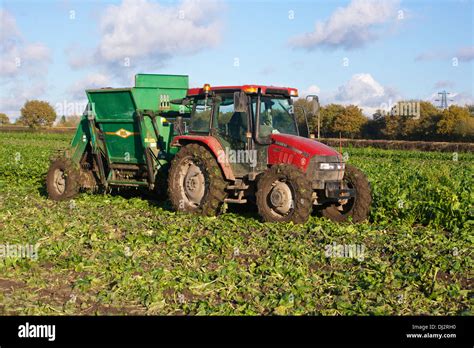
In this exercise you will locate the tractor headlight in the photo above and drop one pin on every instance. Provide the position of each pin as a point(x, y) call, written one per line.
point(331, 166)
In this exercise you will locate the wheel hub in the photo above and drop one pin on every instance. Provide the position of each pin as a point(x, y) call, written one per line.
point(281, 198)
point(194, 184)
point(59, 181)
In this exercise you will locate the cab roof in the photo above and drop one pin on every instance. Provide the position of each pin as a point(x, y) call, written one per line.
point(250, 89)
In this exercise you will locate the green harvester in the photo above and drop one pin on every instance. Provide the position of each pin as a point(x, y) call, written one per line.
point(123, 138)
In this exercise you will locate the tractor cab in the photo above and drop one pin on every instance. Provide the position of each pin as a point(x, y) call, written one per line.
point(259, 110)
point(246, 121)
point(242, 120)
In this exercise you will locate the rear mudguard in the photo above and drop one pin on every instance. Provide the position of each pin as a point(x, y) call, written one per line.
point(212, 144)
point(85, 135)
point(80, 141)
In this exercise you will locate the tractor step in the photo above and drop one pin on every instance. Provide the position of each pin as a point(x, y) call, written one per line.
point(128, 183)
point(240, 196)
point(237, 187)
point(124, 166)
point(235, 200)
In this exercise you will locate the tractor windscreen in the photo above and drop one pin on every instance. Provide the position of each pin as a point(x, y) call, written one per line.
point(201, 115)
point(276, 116)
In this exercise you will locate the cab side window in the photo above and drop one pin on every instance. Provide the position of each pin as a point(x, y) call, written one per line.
point(231, 126)
point(201, 116)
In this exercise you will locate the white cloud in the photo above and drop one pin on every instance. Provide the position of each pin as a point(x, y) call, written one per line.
point(430, 55)
point(23, 66)
point(76, 100)
point(462, 98)
point(18, 56)
point(94, 80)
point(37, 52)
point(313, 89)
point(147, 34)
point(349, 27)
point(8, 26)
point(79, 57)
point(370, 95)
point(443, 84)
point(361, 90)
point(16, 93)
point(463, 54)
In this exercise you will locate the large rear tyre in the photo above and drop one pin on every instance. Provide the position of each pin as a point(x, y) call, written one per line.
point(62, 180)
point(283, 195)
point(356, 208)
point(195, 181)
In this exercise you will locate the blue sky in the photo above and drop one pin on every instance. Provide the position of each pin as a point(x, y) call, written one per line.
point(369, 53)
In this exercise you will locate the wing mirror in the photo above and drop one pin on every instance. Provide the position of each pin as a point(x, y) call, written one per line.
point(314, 106)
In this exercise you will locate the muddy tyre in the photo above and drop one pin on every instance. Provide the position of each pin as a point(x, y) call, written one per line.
point(195, 181)
point(283, 195)
point(357, 208)
point(62, 180)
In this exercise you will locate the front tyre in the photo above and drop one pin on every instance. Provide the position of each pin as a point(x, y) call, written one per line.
point(195, 181)
point(62, 180)
point(283, 195)
point(356, 208)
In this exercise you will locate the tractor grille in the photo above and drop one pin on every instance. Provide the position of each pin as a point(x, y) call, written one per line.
point(319, 177)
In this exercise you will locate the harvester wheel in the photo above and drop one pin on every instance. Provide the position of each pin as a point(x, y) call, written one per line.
point(195, 181)
point(356, 208)
point(62, 180)
point(284, 194)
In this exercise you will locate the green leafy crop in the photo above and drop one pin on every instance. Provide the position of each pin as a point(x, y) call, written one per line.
point(124, 253)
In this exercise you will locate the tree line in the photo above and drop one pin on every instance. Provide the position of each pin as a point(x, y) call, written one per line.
point(38, 113)
point(456, 123)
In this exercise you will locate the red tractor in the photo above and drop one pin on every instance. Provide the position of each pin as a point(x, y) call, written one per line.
point(244, 143)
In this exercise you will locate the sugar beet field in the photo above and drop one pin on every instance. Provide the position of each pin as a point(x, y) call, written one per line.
point(126, 253)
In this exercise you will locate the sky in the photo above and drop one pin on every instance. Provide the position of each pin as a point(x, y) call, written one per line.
point(362, 52)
